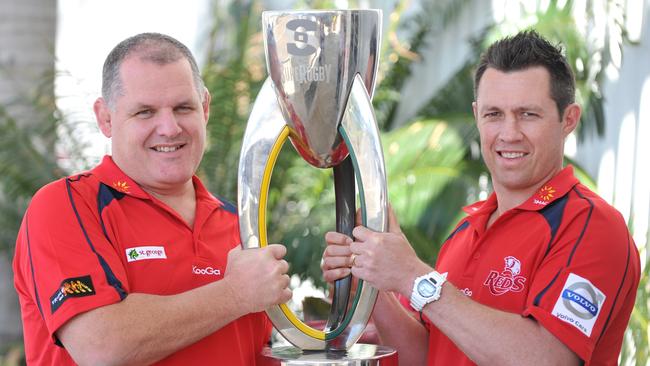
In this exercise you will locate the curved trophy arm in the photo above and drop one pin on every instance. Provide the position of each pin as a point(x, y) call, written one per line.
point(264, 127)
point(359, 130)
point(265, 134)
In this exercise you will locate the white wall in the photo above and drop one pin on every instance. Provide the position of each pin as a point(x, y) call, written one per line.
point(621, 159)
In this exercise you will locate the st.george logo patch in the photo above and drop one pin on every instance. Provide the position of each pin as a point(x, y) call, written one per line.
point(144, 253)
point(72, 287)
point(579, 303)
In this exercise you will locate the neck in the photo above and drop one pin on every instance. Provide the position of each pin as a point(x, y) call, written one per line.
point(508, 199)
point(180, 199)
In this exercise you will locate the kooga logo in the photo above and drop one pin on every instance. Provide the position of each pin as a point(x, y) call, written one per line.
point(206, 271)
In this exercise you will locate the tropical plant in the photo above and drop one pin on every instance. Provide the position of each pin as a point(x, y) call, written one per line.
point(31, 154)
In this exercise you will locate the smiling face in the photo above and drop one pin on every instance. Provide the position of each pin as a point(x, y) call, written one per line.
point(522, 133)
point(157, 124)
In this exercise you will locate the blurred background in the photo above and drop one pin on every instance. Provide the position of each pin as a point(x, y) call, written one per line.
point(51, 54)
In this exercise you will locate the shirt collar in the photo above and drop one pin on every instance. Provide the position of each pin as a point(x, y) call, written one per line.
point(111, 175)
point(555, 188)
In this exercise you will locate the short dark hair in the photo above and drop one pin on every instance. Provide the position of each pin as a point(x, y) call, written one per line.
point(528, 49)
point(158, 48)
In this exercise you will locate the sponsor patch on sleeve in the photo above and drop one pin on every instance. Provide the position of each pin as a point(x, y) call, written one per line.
point(579, 303)
point(71, 287)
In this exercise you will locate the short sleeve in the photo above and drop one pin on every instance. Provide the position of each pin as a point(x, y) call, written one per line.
point(65, 263)
point(584, 289)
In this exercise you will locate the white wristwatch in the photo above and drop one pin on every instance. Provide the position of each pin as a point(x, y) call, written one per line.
point(427, 289)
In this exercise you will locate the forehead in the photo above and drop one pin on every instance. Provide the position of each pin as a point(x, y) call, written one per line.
point(527, 86)
point(148, 82)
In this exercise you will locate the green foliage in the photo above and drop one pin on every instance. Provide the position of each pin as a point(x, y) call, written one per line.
point(234, 73)
point(636, 346)
point(29, 133)
point(429, 179)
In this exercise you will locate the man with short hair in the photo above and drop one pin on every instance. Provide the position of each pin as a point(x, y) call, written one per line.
point(542, 272)
point(134, 261)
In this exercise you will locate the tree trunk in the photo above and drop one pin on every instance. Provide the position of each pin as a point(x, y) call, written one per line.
point(27, 39)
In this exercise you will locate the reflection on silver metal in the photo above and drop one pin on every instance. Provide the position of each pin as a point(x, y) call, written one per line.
point(313, 58)
point(322, 67)
point(358, 355)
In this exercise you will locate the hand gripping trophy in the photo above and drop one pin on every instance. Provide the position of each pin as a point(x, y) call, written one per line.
point(322, 67)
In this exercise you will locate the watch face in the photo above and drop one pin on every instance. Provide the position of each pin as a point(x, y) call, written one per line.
point(425, 288)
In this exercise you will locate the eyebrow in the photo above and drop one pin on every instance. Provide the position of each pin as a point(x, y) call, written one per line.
point(139, 106)
point(530, 107)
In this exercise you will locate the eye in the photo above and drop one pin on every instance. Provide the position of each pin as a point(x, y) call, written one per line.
point(528, 114)
point(145, 113)
point(184, 109)
point(492, 115)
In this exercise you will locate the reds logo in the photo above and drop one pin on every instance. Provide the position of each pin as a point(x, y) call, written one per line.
point(508, 280)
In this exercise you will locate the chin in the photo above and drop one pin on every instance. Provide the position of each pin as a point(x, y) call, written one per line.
point(175, 178)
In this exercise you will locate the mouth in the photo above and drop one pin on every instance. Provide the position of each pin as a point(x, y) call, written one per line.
point(511, 154)
point(167, 148)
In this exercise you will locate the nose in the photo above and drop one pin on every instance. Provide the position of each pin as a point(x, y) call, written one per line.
point(168, 124)
point(510, 129)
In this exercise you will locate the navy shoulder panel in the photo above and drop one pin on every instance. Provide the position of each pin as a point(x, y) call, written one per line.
point(590, 204)
point(227, 205)
point(553, 213)
point(460, 228)
point(105, 195)
point(110, 275)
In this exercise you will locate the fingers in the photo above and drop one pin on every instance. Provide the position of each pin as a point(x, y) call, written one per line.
point(277, 250)
point(337, 251)
point(286, 295)
point(332, 275)
point(283, 266)
point(336, 262)
point(362, 233)
point(335, 238)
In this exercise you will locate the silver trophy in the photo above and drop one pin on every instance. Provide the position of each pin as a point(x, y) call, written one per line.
point(322, 67)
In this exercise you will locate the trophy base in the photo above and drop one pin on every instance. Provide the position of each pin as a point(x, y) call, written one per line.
point(357, 355)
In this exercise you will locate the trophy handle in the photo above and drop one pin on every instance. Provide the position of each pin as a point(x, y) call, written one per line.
point(359, 130)
point(345, 220)
point(265, 127)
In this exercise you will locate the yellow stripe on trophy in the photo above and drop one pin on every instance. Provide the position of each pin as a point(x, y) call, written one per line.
point(264, 191)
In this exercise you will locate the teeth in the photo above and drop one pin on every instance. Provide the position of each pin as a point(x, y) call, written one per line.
point(512, 155)
point(166, 148)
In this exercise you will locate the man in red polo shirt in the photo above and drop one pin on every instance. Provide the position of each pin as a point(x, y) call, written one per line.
point(542, 272)
point(135, 262)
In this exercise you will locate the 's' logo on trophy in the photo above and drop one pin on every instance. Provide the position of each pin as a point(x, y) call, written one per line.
point(300, 27)
point(322, 67)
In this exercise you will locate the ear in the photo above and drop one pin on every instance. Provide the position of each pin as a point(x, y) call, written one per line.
point(207, 98)
point(571, 118)
point(103, 116)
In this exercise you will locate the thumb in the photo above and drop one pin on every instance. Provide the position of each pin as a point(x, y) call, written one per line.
point(393, 224)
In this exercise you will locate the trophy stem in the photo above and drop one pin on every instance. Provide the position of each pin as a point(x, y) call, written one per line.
point(344, 187)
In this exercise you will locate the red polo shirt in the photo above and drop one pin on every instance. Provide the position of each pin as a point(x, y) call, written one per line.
point(563, 257)
point(89, 240)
